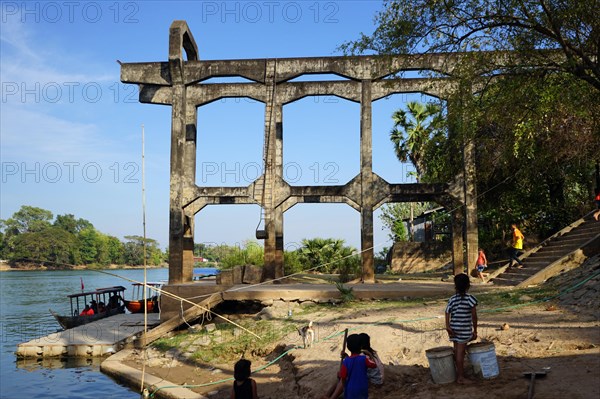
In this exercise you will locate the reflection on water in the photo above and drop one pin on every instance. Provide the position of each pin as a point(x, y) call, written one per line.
point(25, 300)
point(53, 363)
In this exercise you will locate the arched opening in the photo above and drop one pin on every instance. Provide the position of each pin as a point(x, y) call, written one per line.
point(226, 225)
point(230, 142)
point(321, 145)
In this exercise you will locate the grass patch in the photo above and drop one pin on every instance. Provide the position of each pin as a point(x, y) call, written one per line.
point(164, 344)
point(227, 342)
point(494, 300)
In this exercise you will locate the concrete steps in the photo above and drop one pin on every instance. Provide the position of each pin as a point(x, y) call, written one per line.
point(547, 259)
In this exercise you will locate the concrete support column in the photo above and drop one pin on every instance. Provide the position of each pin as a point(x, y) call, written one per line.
point(273, 156)
point(458, 260)
point(189, 168)
point(278, 187)
point(177, 219)
point(366, 170)
point(183, 156)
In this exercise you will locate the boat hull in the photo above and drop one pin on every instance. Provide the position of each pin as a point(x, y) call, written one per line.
point(138, 306)
point(67, 322)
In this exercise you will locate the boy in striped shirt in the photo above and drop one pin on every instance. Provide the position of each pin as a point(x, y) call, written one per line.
point(461, 323)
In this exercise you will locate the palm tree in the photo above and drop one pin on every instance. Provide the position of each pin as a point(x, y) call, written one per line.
point(412, 131)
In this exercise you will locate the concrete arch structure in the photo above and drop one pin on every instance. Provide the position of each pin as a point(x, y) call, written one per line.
point(178, 83)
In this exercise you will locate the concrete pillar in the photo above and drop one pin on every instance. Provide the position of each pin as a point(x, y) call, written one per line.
point(278, 186)
point(177, 222)
point(366, 170)
point(273, 157)
point(457, 241)
point(183, 156)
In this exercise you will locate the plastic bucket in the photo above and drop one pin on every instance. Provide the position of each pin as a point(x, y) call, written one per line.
point(441, 364)
point(483, 358)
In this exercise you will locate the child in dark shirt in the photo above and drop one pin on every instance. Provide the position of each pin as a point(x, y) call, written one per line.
point(244, 387)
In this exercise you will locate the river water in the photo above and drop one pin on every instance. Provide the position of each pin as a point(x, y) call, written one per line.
point(25, 297)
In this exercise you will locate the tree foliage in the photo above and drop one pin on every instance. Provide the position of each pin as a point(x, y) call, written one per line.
point(569, 27)
point(30, 235)
point(415, 129)
point(393, 215)
point(133, 251)
point(535, 122)
point(328, 255)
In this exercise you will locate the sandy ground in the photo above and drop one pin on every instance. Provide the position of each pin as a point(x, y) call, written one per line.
point(539, 336)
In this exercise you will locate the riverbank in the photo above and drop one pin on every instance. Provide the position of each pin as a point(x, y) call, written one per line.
point(7, 267)
point(529, 335)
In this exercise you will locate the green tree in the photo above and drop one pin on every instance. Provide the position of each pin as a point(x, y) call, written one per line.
point(413, 130)
point(569, 27)
point(70, 224)
point(251, 253)
point(328, 255)
point(88, 245)
point(28, 219)
point(534, 123)
point(52, 245)
point(133, 251)
point(115, 250)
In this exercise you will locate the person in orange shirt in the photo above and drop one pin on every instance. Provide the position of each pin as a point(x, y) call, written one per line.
point(516, 247)
point(87, 311)
point(481, 264)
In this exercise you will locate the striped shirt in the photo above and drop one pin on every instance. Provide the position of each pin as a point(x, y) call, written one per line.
point(461, 322)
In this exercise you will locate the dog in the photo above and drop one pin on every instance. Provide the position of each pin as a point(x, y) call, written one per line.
point(308, 335)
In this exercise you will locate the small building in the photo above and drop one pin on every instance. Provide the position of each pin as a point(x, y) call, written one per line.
point(424, 228)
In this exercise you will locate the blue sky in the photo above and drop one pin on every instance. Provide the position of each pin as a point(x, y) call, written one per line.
point(71, 132)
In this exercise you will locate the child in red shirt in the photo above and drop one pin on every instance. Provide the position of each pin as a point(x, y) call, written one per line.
point(353, 373)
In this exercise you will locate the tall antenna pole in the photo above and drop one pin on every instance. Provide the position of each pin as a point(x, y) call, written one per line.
point(144, 225)
point(145, 287)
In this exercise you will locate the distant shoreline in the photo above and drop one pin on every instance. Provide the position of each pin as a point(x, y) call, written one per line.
point(5, 267)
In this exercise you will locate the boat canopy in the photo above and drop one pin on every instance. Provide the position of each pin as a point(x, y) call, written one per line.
point(108, 290)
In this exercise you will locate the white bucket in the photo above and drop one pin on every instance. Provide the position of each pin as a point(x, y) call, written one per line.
point(483, 358)
point(441, 364)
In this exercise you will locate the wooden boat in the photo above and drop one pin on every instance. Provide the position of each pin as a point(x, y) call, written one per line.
point(110, 297)
point(136, 304)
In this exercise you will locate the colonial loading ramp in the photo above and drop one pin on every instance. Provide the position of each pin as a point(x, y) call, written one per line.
point(572, 244)
point(321, 293)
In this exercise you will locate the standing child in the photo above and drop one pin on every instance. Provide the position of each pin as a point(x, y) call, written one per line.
point(244, 387)
point(353, 373)
point(461, 323)
point(481, 264)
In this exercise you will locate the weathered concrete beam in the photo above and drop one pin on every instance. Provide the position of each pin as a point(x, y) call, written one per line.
point(293, 91)
point(203, 94)
point(152, 73)
point(220, 192)
point(154, 94)
point(416, 192)
point(355, 68)
point(253, 69)
point(436, 87)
